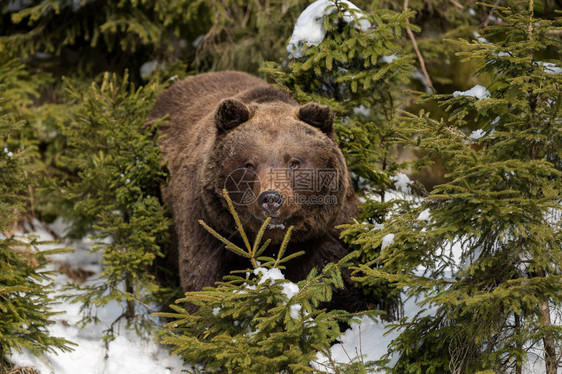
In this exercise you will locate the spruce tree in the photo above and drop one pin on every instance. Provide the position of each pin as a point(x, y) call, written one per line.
point(115, 157)
point(25, 286)
point(255, 321)
point(483, 251)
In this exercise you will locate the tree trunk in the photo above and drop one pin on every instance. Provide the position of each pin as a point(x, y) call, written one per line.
point(130, 310)
point(518, 363)
point(548, 340)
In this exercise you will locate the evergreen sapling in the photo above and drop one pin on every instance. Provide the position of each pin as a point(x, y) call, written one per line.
point(483, 251)
point(115, 156)
point(25, 285)
point(255, 321)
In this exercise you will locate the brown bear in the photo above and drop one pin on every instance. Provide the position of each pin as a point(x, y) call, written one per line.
point(275, 158)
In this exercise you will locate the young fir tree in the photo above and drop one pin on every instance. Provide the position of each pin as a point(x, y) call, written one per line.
point(116, 159)
point(483, 251)
point(359, 69)
point(256, 321)
point(25, 299)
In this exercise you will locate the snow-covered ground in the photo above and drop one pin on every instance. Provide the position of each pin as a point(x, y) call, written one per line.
point(128, 353)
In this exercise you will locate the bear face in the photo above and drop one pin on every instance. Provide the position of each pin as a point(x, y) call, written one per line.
point(278, 161)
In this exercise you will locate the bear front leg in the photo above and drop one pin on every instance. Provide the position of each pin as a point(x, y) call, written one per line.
point(201, 259)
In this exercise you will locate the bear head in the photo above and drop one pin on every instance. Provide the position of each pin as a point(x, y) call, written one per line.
point(276, 160)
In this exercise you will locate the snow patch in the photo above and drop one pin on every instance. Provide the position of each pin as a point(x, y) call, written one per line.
point(197, 42)
point(388, 59)
point(362, 110)
point(128, 353)
point(376, 226)
point(148, 68)
point(480, 38)
point(424, 216)
point(402, 183)
point(549, 67)
point(295, 310)
point(503, 54)
point(289, 289)
point(387, 240)
point(268, 274)
point(477, 91)
point(367, 337)
point(495, 19)
point(309, 28)
point(419, 76)
point(477, 134)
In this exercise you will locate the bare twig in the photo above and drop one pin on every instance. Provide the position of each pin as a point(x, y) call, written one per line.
point(457, 4)
point(489, 17)
point(530, 28)
point(247, 15)
point(418, 53)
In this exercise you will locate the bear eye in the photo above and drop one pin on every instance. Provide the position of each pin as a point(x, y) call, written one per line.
point(295, 164)
point(250, 166)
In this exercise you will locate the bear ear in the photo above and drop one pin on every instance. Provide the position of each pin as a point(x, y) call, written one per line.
point(320, 116)
point(230, 114)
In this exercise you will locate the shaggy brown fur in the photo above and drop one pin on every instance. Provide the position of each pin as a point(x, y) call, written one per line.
point(225, 127)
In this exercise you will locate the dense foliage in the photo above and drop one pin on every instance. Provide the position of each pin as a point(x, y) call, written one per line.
point(485, 246)
point(479, 241)
point(85, 36)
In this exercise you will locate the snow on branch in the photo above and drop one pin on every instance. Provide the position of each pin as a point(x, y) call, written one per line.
point(309, 29)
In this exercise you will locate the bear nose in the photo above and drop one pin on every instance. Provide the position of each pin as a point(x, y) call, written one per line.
point(270, 201)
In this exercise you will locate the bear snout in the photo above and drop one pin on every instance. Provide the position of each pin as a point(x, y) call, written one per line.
point(270, 201)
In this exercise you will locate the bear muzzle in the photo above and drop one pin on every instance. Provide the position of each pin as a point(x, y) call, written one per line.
point(270, 201)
